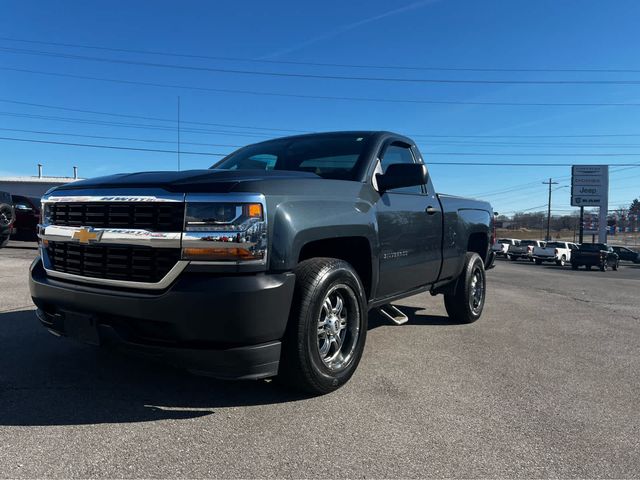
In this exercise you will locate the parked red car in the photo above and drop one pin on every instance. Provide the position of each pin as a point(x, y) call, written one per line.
point(27, 217)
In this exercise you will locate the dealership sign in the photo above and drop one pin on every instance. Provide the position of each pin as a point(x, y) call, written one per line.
point(589, 185)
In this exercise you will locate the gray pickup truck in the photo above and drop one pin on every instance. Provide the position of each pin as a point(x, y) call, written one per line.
point(265, 265)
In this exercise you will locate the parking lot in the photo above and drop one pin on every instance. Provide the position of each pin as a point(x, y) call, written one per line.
point(544, 385)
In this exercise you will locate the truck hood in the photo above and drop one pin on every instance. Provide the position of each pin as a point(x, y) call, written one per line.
point(215, 181)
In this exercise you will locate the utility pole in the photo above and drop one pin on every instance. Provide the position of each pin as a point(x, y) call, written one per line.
point(581, 237)
point(178, 132)
point(550, 182)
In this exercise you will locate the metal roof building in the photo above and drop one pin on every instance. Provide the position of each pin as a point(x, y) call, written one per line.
point(34, 186)
point(31, 186)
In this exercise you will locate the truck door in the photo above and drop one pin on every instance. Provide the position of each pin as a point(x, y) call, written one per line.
point(409, 229)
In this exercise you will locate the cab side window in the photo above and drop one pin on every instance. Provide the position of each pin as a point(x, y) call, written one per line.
point(398, 153)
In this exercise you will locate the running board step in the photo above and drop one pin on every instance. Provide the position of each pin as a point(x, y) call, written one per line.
point(394, 314)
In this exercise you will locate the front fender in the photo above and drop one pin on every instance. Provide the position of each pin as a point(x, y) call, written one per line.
point(297, 223)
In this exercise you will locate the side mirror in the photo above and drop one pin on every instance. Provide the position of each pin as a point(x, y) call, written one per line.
point(400, 175)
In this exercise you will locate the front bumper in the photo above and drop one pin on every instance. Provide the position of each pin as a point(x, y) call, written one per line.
point(224, 326)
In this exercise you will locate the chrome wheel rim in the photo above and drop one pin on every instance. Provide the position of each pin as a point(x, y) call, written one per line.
point(338, 327)
point(5, 216)
point(476, 297)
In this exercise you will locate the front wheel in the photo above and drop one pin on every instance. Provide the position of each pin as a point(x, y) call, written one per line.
point(465, 304)
point(562, 261)
point(615, 266)
point(603, 266)
point(327, 327)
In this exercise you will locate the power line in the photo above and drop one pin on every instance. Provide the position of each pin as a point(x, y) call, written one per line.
point(173, 120)
point(321, 64)
point(478, 164)
point(104, 137)
point(316, 76)
point(321, 97)
point(132, 125)
point(112, 147)
point(426, 153)
point(417, 135)
point(589, 135)
point(142, 117)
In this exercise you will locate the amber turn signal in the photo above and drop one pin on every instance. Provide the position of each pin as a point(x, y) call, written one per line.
point(254, 210)
point(220, 254)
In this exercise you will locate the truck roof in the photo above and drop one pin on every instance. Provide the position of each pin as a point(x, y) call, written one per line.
point(380, 134)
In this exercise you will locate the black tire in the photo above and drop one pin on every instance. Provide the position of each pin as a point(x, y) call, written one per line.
point(6, 218)
point(615, 266)
point(302, 365)
point(603, 266)
point(466, 303)
point(538, 262)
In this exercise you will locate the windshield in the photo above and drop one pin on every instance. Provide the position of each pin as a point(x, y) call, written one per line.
point(555, 245)
point(526, 243)
point(593, 247)
point(335, 156)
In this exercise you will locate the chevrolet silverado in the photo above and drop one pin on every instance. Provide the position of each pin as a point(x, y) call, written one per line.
point(265, 265)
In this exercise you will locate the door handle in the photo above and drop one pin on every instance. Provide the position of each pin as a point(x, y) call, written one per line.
point(430, 210)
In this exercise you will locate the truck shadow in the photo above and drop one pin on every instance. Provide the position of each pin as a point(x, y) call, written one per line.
point(46, 380)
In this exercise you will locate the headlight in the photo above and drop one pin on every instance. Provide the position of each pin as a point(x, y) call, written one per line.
point(225, 232)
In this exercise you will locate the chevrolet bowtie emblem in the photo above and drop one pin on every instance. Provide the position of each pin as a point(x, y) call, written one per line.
point(86, 235)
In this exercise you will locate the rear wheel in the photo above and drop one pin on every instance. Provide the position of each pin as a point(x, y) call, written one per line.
point(603, 266)
point(615, 266)
point(327, 327)
point(4, 241)
point(465, 304)
point(562, 261)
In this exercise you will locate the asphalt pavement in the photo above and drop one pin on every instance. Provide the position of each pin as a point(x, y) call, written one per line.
point(545, 384)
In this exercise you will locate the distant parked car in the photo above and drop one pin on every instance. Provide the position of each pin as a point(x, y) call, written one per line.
point(627, 254)
point(501, 246)
point(595, 255)
point(6, 217)
point(558, 252)
point(27, 217)
point(524, 249)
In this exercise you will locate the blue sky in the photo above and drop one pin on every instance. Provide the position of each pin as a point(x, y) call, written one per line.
point(474, 34)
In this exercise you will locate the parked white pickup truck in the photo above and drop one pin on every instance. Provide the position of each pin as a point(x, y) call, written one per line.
point(501, 247)
point(559, 252)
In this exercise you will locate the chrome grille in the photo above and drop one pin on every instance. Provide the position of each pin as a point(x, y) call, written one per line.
point(113, 262)
point(158, 217)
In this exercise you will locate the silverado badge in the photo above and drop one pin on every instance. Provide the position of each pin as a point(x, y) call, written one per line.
point(86, 235)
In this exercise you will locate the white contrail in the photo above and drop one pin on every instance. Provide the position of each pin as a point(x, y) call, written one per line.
point(351, 26)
